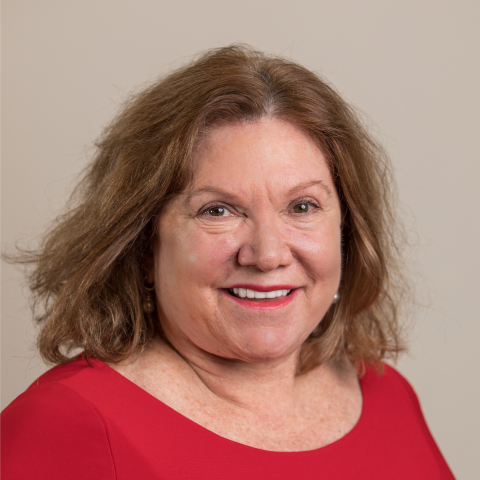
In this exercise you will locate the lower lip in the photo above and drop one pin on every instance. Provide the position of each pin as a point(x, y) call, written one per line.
point(269, 305)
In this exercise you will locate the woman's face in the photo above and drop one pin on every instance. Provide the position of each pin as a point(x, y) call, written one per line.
point(262, 215)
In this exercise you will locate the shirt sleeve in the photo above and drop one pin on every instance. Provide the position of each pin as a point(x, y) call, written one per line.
point(52, 432)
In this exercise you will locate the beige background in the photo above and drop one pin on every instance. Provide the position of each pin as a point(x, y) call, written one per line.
point(411, 65)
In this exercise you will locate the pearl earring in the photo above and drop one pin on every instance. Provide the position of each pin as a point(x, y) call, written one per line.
point(149, 304)
point(336, 298)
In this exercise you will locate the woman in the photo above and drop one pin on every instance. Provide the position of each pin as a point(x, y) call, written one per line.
point(230, 273)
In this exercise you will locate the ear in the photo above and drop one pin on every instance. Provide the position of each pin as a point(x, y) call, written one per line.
point(149, 261)
point(149, 268)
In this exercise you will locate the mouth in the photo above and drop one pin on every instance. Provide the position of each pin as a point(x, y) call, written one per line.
point(260, 297)
point(264, 304)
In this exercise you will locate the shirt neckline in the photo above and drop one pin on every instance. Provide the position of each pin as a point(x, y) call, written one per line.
point(349, 437)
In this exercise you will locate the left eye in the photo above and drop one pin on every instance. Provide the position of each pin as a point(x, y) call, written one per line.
point(304, 207)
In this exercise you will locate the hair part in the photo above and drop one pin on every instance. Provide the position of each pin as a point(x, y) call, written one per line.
point(88, 276)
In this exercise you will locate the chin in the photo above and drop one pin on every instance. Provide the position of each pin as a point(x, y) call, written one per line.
point(267, 345)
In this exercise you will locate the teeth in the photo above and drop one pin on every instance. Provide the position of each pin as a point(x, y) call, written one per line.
point(244, 292)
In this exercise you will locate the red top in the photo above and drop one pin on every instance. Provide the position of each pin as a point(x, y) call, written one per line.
point(83, 422)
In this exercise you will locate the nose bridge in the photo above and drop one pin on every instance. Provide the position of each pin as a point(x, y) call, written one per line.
point(265, 246)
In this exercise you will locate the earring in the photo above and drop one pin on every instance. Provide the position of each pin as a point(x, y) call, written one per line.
point(149, 304)
point(336, 297)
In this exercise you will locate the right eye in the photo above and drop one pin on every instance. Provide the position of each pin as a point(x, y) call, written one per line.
point(216, 211)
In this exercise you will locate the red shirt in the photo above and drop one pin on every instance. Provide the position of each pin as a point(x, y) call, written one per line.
point(82, 422)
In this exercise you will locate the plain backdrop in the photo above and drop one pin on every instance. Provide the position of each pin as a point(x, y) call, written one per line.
point(411, 65)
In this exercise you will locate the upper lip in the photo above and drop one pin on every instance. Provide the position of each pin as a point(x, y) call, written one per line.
point(262, 288)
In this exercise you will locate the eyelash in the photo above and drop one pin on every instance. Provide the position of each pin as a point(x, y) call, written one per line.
point(299, 202)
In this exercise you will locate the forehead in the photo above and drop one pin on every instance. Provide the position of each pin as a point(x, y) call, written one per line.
point(265, 136)
point(268, 154)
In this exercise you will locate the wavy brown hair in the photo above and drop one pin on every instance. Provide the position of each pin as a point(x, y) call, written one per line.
point(88, 276)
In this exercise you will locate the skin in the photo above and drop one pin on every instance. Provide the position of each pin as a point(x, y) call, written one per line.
point(233, 369)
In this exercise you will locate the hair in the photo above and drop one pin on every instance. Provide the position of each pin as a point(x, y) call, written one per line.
point(87, 280)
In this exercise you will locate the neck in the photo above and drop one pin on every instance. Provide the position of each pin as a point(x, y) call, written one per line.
point(269, 387)
point(249, 385)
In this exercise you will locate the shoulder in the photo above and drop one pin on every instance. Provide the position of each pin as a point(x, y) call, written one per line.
point(391, 405)
point(53, 426)
point(387, 388)
point(387, 381)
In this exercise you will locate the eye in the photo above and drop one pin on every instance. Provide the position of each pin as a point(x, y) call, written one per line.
point(216, 211)
point(305, 207)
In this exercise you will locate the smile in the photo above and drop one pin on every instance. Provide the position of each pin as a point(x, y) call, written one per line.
point(246, 293)
point(264, 301)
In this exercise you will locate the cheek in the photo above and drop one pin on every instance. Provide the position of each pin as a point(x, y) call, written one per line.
point(321, 253)
point(193, 259)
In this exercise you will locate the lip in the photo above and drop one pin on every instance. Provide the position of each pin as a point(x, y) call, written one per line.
point(263, 288)
point(279, 302)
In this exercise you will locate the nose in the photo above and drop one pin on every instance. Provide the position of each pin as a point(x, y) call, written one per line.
point(264, 246)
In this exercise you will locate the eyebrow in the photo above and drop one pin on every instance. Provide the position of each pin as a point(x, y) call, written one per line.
point(219, 191)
